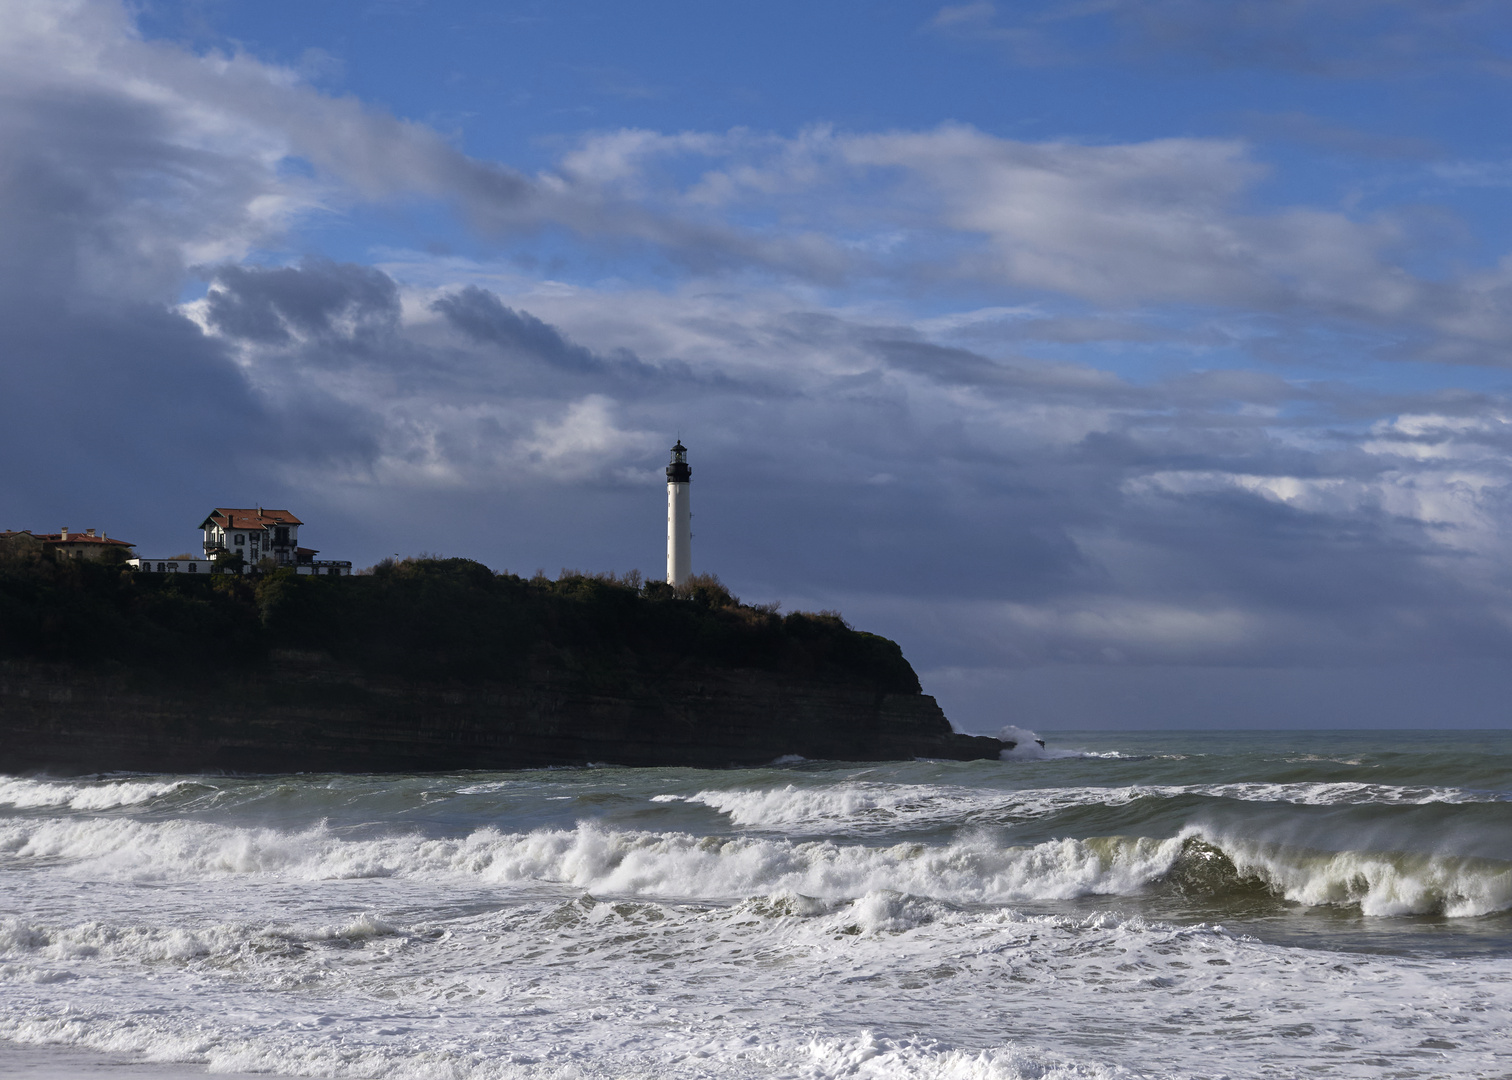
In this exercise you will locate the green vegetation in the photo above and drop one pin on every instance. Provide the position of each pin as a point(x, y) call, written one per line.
point(426, 619)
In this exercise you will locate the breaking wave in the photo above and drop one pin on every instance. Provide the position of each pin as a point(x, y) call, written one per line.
point(869, 806)
point(976, 869)
point(1378, 883)
point(27, 794)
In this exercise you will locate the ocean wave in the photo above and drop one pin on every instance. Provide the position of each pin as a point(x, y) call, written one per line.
point(1380, 884)
point(26, 794)
point(98, 939)
point(1346, 793)
point(600, 860)
point(864, 805)
point(680, 866)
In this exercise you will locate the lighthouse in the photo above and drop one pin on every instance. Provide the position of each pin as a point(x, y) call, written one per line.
point(679, 518)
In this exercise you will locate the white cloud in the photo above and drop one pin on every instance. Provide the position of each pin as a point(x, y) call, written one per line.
point(1019, 510)
point(584, 439)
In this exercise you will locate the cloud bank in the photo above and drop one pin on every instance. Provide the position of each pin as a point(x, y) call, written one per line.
point(988, 480)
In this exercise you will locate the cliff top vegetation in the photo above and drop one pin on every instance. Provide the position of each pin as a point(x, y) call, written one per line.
point(428, 619)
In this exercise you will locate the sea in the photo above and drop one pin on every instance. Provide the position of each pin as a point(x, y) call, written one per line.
point(1112, 905)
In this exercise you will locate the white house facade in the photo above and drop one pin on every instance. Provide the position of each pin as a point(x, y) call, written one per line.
point(265, 539)
point(253, 534)
point(172, 566)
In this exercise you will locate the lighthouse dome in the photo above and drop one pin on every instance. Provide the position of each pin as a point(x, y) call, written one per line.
point(678, 472)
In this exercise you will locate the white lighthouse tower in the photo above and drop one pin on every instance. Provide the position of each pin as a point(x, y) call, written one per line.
point(679, 518)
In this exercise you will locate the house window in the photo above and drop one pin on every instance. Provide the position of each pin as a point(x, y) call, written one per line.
point(281, 534)
point(241, 538)
point(194, 568)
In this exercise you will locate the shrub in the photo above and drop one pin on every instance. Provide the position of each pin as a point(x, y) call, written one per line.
point(427, 619)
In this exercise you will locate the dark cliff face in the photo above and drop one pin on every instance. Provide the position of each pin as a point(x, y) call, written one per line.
point(305, 713)
point(436, 665)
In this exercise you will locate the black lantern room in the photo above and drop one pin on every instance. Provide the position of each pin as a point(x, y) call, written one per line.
point(678, 472)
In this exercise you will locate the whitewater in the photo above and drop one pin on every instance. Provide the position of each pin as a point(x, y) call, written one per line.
point(1174, 905)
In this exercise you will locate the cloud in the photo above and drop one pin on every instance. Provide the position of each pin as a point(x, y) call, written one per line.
point(1334, 38)
point(984, 478)
point(320, 300)
point(1315, 131)
point(1166, 223)
point(1077, 517)
point(480, 315)
point(1331, 37)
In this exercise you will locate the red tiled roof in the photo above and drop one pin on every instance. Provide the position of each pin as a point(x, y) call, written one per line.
point(255, 518)
point(78, 538)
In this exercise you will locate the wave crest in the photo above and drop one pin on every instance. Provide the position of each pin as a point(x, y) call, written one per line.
point(1378, 883)
point(27, 794)
point(680, 866)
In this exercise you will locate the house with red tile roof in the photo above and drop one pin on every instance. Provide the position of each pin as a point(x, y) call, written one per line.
point(254, 534)
point(262, 537)
point(76, 545)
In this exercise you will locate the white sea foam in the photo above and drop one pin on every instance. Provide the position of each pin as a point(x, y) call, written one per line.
point(1028, 746)
point(420, 936)
point(971, 869)
point(927, 1059)
point(887, 985)
point(25, 794)
point(974, 869)
point(101, 939)
point(855, 802)
point(1340, 794)
point(863, 806)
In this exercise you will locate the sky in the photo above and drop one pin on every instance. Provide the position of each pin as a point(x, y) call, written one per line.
point(1132, 363)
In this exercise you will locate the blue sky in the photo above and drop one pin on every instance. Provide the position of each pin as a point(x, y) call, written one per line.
point(1131, 362)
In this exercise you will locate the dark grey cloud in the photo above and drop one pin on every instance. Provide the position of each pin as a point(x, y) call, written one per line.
point(480, 315)
point(318, 299)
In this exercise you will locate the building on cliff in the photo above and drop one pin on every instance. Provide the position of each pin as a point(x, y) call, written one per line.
point(253, 534)
point(247, 541)
point(76, 545)
point(679, 518)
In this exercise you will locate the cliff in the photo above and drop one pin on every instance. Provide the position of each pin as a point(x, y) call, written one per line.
point(436, 665)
